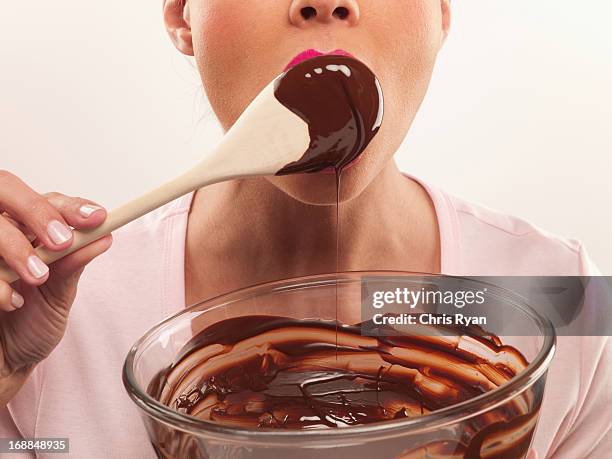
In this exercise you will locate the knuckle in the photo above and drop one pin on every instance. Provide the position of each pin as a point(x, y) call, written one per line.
point(58, 201)
point(53, 195)
point(38, 207)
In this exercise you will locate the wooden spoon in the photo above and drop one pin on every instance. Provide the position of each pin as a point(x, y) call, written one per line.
point(282, 131)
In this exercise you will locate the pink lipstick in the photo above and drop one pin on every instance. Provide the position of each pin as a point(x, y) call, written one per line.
point(310, 53)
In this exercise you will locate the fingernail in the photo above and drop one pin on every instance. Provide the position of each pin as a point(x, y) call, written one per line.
point(17, 300)
point(88, 209)
point(37, 267)
point(58, 232)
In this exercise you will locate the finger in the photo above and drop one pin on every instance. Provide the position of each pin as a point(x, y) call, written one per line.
point(75, 262)
point(19, 254)
point(10, 300)
point(30, 236)
point(78, 212)
point(34, 211)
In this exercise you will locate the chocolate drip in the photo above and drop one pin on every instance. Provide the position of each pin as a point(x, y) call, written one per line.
point(341, 100)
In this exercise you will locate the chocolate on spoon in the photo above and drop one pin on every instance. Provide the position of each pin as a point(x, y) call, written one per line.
point(342, 102)
point(321, 113)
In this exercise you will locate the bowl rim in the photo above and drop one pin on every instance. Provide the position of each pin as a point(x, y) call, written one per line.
point(437, 419)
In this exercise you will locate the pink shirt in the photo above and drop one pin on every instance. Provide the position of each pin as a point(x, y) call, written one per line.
point(77, 392)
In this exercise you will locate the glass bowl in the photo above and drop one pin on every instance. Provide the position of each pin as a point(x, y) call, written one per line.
point(470, 429)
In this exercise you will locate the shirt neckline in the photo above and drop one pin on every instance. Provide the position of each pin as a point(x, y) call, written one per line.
point(448, 227)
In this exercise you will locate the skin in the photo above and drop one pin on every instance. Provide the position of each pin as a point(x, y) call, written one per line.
point(287, 224)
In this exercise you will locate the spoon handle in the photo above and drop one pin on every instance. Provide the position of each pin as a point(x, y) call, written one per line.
point(198, 176)
point(264, 139)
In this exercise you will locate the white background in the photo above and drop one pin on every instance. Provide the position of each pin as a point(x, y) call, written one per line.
point(95, 101)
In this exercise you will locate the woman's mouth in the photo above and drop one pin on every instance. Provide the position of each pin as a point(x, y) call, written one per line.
point(310, 53)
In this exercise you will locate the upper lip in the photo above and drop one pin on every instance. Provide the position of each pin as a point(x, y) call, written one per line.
point(310, 53)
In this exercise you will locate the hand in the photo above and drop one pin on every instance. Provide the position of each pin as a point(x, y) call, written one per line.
point(34, 310)
point(532, 454)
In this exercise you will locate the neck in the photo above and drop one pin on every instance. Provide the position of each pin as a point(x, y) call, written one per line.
point(246, 232)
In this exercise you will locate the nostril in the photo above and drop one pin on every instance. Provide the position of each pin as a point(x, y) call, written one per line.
point(308, 12)
point(341, 12)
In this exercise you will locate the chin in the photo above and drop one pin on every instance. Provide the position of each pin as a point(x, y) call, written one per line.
point(319, 189)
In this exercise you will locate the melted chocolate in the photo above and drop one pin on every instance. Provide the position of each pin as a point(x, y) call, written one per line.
point(263, 371)
point(341, 100)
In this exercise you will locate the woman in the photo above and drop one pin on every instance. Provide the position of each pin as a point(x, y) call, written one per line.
point(61, 378)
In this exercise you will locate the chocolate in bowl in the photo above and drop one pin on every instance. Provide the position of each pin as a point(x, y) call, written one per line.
point(233, 378)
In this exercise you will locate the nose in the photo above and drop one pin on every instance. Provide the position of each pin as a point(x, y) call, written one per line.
point(306, 12)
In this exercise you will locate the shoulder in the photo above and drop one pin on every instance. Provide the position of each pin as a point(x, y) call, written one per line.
point(493, 243)
point(496, 243)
